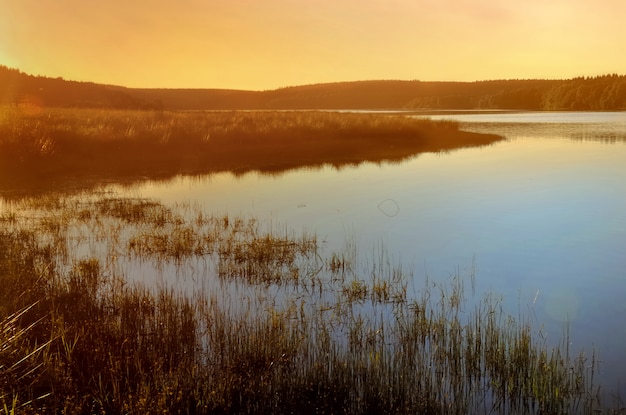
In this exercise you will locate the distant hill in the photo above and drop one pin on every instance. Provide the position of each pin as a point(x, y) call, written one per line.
point(607, 92)
point(17, 88)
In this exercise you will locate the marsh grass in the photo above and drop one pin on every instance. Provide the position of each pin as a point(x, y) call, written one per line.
point(106, 145)
point(317, 332)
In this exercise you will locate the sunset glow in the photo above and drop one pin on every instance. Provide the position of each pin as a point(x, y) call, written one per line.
point(246, 44)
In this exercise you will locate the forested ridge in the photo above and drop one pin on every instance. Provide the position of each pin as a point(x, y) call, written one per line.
point(605, 92)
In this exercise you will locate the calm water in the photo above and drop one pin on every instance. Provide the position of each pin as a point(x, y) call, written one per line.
point(541, 215)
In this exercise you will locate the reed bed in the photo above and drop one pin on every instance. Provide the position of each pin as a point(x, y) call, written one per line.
point(314, 332)
point(112, 144)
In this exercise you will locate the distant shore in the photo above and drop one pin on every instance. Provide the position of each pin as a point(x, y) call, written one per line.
point(599, 93)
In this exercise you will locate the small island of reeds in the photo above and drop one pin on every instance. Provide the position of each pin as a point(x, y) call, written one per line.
point(42, 144)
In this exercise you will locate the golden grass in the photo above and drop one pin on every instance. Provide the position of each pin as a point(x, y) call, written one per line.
point(106, 144)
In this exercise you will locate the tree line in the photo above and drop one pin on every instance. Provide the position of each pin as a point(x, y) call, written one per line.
point(606, 92)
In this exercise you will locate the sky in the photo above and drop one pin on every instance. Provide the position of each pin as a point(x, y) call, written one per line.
point(267, 44)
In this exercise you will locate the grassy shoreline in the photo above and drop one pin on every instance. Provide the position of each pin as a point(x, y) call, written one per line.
point(279, 327)
point(51, 143)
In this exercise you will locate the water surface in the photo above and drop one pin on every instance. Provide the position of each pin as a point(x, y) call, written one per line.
point(541, 216)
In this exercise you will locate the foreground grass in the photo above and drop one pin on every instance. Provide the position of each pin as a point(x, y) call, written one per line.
point(272, 324)
point(57, 142)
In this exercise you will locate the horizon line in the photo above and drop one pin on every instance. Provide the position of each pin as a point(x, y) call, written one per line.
point(312, 84)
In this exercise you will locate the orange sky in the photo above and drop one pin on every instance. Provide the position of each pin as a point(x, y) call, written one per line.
point(265, 44)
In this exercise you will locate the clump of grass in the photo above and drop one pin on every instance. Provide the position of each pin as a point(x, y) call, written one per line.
point(20, 362)
point(133, 211)
point(79, 336)
point(267, 259)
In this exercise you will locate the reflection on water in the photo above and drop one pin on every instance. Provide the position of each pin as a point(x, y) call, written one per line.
point(596, 126)
point(543, 216)
point(614, 119)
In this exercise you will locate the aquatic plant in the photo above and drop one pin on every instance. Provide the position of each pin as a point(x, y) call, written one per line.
point(274, 324)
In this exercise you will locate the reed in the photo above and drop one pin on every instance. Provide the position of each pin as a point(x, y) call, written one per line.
point(277, 325)
point(56, 143)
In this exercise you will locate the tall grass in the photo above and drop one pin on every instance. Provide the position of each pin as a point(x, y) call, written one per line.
point(276, 324)
point(57, 143)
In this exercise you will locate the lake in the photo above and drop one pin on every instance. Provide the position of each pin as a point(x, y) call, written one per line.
point(540, 217)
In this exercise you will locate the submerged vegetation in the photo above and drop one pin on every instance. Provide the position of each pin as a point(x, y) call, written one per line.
point(128, 306)
point(110, 144)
